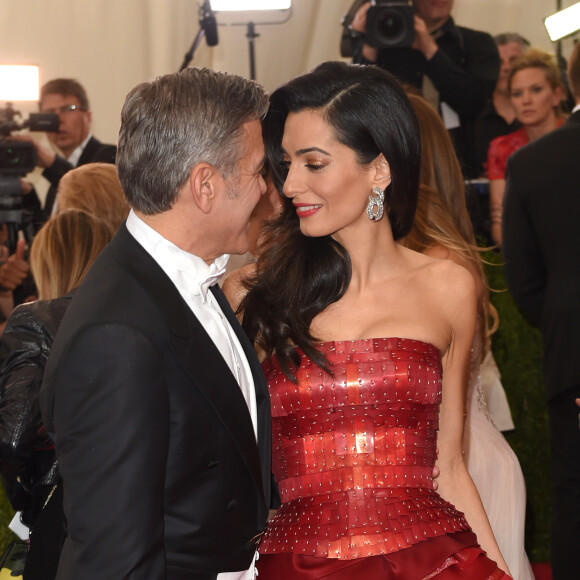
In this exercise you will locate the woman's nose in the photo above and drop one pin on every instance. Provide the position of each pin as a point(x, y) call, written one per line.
point(291, 185)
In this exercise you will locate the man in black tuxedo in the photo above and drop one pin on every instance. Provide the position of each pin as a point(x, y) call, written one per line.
point(153, 394)
point(542, 262)
point(68, 99)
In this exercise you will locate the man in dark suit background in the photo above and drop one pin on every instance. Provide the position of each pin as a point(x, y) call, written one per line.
point(68, 99)
point(152, 393)
point(541, 249)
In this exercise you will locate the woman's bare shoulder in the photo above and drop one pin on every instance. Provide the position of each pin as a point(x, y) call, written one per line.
point(461, 260)
point(233, 286)
point(454, 279)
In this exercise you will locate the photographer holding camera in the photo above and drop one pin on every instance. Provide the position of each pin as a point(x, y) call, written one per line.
point(68, 99)
point(455, 68)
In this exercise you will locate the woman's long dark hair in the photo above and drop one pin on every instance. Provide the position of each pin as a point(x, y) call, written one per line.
point(297, 277)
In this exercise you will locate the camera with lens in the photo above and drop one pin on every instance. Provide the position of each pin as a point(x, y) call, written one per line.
point(17, 158)
point(390, 24)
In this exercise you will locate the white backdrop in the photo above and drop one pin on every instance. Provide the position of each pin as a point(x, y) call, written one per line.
point(111, 45)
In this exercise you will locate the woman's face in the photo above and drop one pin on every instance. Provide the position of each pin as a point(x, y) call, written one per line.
point(329, 189)
point(532, 96)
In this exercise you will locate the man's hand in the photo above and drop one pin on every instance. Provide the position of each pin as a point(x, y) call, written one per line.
point(15, 269)
point(45, 155)
point(436, 473)
point(25, 187)
point(423, 39)
point(359, 24)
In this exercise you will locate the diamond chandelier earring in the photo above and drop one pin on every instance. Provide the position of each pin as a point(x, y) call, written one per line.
point(376, 201)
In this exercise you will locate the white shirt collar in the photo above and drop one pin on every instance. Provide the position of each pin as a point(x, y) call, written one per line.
point(188, 272)
point(576, 108)
point(76, 154)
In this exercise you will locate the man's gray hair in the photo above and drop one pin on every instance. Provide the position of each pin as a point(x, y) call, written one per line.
point(176, 121)
point(507, 37)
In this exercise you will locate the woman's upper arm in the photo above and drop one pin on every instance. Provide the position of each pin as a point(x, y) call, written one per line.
point(461, 310)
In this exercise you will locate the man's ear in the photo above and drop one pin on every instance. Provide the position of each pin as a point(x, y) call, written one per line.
point(203, 182)
point(382, 172)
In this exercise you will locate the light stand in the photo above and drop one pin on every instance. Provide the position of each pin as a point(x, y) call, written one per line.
point(207, 28)
point(189, 54)
point(251, 35)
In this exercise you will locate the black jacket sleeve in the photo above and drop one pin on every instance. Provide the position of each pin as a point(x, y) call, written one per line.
point(465, 74)
point(112, 424)
point(524, 266)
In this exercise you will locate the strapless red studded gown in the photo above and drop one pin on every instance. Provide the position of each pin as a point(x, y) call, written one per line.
point(353, 456)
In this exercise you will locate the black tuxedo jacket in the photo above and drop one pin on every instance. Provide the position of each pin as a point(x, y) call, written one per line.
point(162, 474)
point(94, 152)
point(541, 246)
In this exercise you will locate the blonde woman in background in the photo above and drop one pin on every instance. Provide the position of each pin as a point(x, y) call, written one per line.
point(63, 251)
point(536, 91)
point(95, 189)
point(442, 229)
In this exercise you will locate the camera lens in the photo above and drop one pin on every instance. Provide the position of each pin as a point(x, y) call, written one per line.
point(391, 27)
point(9, 157)
point(16, 158)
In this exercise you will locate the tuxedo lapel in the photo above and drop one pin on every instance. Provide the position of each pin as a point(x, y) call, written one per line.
point(88, 152)
point(574, 118)
point(261, 389)
point(194, 349)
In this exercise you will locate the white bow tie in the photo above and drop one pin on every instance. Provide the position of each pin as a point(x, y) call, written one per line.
point(190, 279)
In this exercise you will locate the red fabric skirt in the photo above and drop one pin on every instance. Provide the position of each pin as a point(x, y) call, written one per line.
point(449, 557)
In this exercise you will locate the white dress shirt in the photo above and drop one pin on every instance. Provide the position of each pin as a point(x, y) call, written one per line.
point(193, 278)
point(76, 154)
point(73, 159)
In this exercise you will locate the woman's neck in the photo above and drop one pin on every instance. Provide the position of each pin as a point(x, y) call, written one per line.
point(372, 250)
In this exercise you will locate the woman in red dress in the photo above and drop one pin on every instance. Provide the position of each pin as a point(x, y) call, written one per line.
point(365, 346)
point(536, 90)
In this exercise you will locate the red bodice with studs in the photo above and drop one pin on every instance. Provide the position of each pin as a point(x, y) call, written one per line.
point(353, 453)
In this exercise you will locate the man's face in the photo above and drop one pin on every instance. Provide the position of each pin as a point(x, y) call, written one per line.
point(508, 53)
point(243, 190)
point(75, 123)
point(434, 12)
